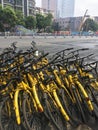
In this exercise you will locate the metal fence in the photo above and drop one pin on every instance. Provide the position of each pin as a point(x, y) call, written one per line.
point(45, 35)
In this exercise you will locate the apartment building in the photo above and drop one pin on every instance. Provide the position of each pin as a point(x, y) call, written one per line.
point(43, 11)
point(27, 7)
point(50, 5)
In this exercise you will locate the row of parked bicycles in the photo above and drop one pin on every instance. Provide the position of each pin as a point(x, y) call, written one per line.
point(37, 89)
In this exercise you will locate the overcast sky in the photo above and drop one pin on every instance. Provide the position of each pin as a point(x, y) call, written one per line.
point(81, 6)
point(38, 3)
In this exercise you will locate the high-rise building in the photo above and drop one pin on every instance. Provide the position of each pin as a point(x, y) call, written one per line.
point(61, 8)
point(27, 7)
point(50, 5)
point(65, 8)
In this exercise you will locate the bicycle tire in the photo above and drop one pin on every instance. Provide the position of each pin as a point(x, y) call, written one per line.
point(55, 117)
point(93, 96)
point(78, 106)
point(69, 107)
point(13, 126)
point(32, 119)
point(94, 102)
point(90, 115)
point(7, 122)
point(86, 104)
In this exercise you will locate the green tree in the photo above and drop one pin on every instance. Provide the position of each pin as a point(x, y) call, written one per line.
point(90, 24)
point(56, 26)
point(44, 22)
point(9, 18)
point(1, 19)
point(30, 22)
point(40, 22)
point(20, 18)
point(48, 21)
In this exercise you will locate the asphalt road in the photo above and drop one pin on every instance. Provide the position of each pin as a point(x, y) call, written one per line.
point(53, 45)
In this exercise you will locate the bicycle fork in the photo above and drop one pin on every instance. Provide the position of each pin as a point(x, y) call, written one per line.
point(56, 98)
point(90, 106)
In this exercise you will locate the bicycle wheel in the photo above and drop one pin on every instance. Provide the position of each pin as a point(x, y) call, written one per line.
point(69, 108)
point(7, 116)
point(79, 106)
point(92, 95)
point(13, 126)
point(90, 116)
point(56, 120)
point(31, 116)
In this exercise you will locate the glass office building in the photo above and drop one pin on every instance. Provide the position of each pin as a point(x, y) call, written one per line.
point(65, 8)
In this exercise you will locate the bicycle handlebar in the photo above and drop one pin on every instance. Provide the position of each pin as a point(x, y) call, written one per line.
point(91, 63)
point(67, 49)
point(16, 78)
point(81, 49)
